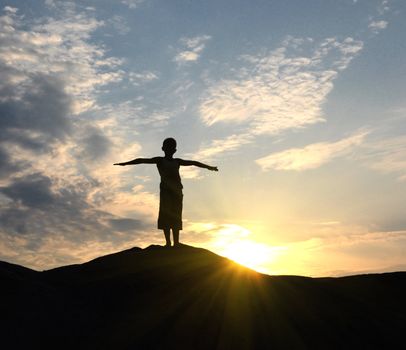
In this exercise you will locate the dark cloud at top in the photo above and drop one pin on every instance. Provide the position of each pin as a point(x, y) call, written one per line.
point(38, 115)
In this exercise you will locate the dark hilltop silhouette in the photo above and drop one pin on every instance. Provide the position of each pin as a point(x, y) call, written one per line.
point(191, 298)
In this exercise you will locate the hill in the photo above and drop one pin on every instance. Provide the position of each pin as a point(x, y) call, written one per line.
point(191, 298)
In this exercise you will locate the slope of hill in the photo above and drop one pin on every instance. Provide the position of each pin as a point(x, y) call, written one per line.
point(190, 298)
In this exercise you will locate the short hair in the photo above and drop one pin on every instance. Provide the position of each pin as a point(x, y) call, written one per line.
point(169, 142)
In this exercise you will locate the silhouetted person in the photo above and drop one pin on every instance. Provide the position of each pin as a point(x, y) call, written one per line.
point(171, 196)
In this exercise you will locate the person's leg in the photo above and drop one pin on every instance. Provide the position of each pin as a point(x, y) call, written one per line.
point(167, 233)
point(175, 236)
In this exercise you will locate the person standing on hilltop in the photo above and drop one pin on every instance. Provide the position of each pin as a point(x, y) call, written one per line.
point(171, 196)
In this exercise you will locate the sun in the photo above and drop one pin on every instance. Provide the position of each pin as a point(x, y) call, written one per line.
point(232, 242)
point(250, 254)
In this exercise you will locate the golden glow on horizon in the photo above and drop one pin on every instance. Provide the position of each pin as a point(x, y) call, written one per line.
point(249, 254)
point(330, 252)
point(232, 242)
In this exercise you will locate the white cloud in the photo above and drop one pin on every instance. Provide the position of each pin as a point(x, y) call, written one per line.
point(383, 7)
point(312, 156)
point(10, 9)
point(132, 4)
point(208, 152)
point(141, 78)
point(130, 204)
point(191, 48)
point(377, 26)
point(376, 23)
point(218, 146)
point(281, 90)
point(186, 56)
point(58, 47)
point(194, 42)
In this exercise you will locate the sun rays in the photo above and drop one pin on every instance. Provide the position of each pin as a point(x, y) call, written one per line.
point(233, 242)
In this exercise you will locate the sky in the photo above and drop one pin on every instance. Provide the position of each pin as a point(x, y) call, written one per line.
point(300, 104)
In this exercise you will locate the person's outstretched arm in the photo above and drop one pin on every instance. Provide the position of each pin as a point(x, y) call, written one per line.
point(198, 164)
point(139, 161)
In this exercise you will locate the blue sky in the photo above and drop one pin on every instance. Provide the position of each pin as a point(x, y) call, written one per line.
point(299, 104)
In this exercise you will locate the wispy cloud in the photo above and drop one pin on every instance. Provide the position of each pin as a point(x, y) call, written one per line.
point(120, 24)
point(377, 26)
point(383, 7)
point(130, 114)
point(213, 149)
point(311, 156)
point(132, 4)
point(10, 9)
point(386, 155)
point(142, 77)
point(377, 23)
point(282, 90)
point(218, 146)
point(191, 48)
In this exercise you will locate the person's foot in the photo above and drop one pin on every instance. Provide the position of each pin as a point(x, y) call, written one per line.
point(167, 245)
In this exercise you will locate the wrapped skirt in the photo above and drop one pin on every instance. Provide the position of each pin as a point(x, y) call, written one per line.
point(170, 209)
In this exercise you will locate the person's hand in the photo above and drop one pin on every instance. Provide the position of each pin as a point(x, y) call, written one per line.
point(213, 168)
point(122, 164)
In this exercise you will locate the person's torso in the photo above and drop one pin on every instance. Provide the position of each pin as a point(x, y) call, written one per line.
point(169, 171)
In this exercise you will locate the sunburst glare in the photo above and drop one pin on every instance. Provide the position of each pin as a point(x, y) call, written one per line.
point(232, 242)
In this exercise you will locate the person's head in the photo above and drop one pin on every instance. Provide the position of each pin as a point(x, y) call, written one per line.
point(169, 146)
